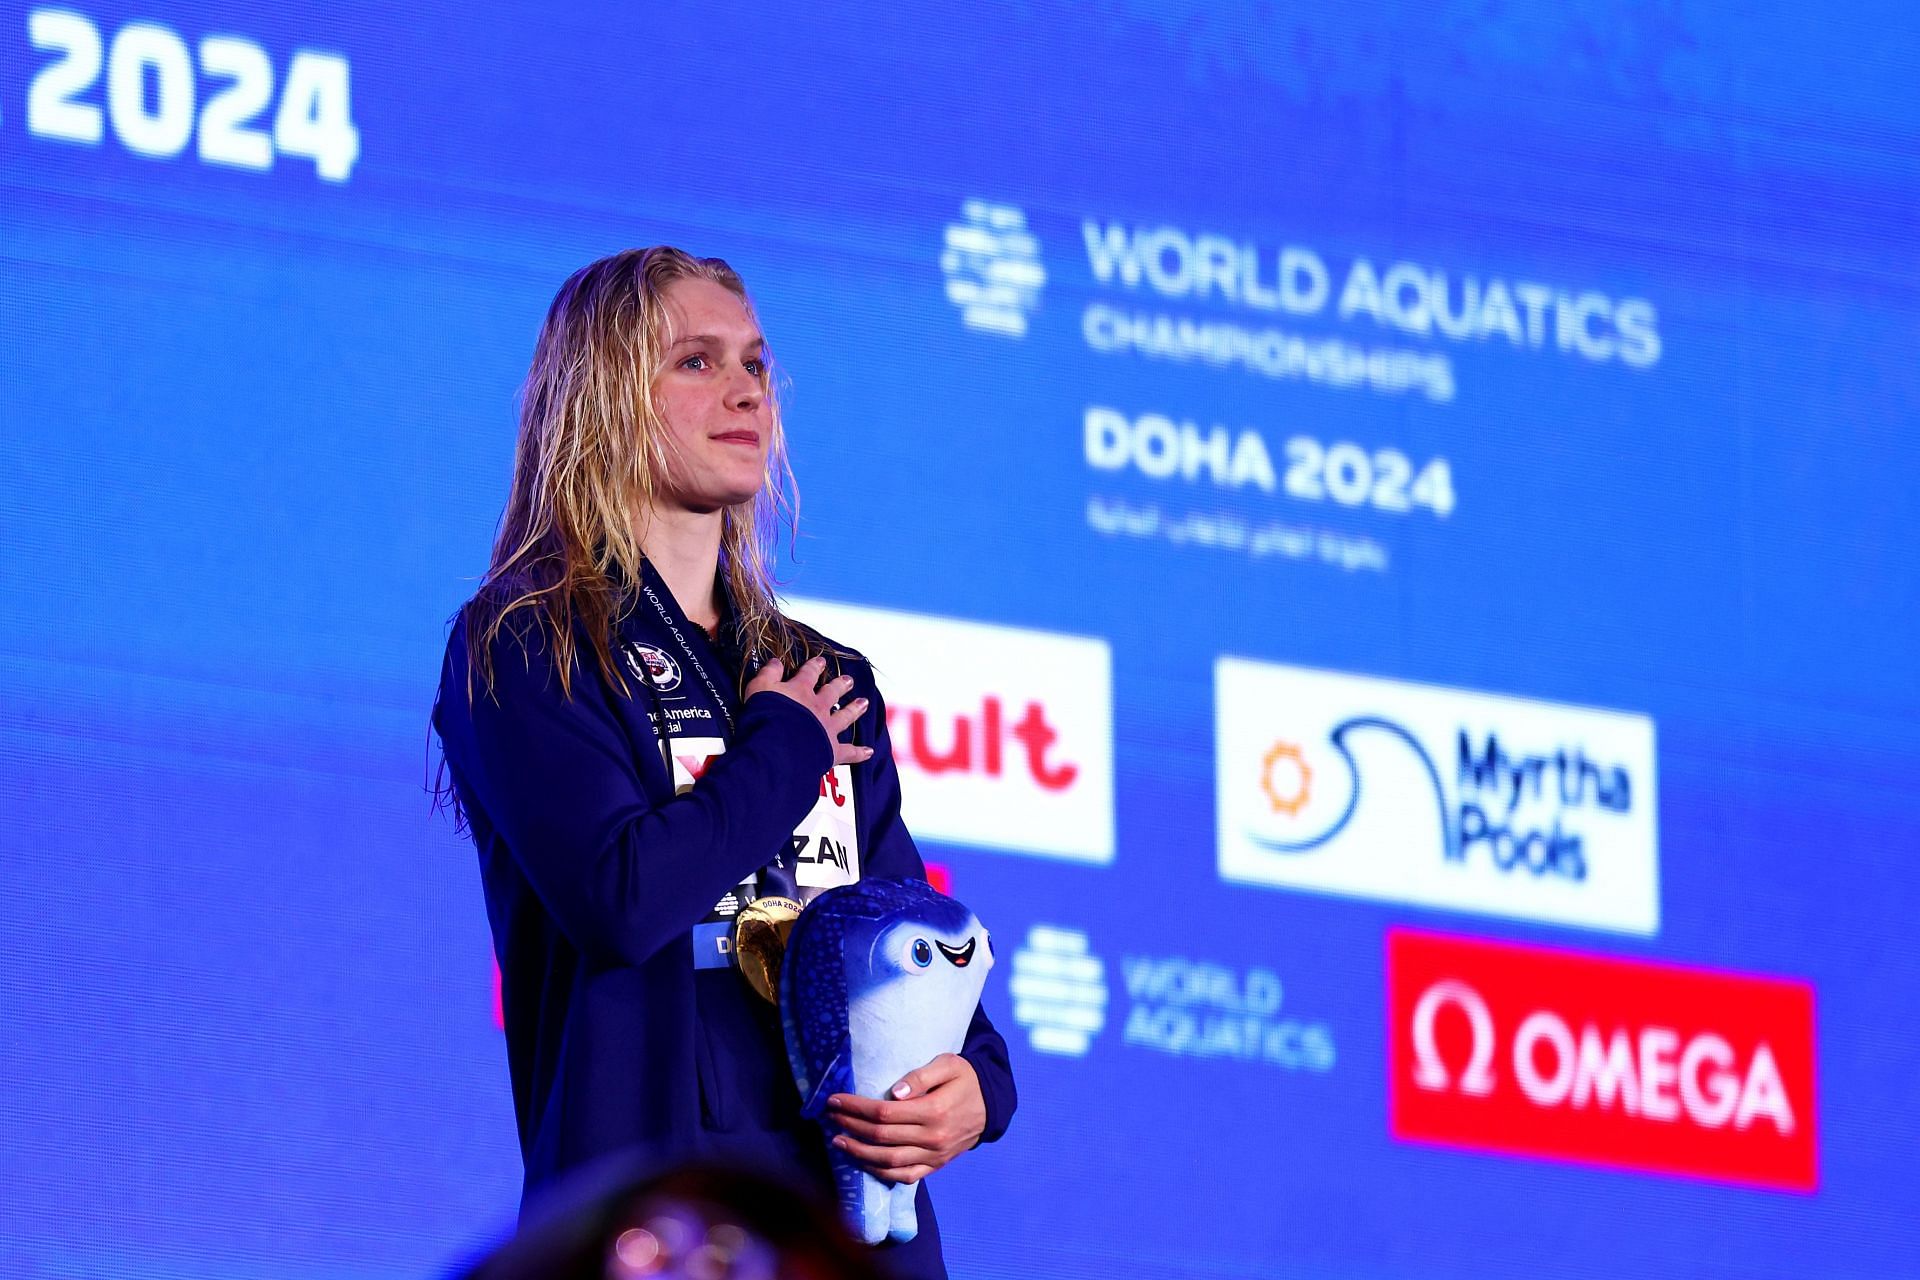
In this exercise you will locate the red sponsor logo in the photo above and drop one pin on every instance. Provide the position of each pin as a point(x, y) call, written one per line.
point(970, 743)
point(1537, 1051)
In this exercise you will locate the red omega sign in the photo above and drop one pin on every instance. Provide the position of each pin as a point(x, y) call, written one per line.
point(1538, 1051)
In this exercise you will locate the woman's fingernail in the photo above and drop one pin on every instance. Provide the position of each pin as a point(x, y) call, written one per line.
point(902, 1089)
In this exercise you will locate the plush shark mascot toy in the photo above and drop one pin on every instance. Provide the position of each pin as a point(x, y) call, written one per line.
point(879, 977)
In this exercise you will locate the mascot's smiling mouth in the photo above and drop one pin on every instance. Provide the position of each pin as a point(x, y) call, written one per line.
point(958, 957)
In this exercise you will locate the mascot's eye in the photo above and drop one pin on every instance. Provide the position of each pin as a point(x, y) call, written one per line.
point(922, 953)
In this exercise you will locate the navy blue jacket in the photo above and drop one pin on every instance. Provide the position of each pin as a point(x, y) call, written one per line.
point(595, 873)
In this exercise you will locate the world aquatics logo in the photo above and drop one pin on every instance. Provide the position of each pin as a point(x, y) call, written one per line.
point(1059, 991)
point(1381, 789)
point(1179, 1006)
point(993, 269)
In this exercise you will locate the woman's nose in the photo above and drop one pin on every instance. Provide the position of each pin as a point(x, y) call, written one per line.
point(746, 393)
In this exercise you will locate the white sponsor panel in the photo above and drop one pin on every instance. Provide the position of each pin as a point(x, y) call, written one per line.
point(1003, 735)
point(1441, 797)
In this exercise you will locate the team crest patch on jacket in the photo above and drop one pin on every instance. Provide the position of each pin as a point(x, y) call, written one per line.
point(655, 666)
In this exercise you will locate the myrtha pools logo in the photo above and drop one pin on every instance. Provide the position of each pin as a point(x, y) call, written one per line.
point(992, 265)
point(1414, 793)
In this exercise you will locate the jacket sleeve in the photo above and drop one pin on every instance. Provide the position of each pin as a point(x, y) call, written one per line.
point(556, 777)
point(892, 852)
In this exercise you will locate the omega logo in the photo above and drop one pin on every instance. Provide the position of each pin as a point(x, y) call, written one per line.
point(1429, 1071)
point(1653, 1073)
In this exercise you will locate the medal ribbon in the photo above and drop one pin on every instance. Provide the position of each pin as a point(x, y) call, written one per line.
point(693, 659)
point(776, 879)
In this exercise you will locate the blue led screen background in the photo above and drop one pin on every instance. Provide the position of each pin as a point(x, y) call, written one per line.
point(272, 277)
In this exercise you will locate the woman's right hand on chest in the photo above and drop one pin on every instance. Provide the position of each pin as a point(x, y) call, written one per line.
point(822, 698)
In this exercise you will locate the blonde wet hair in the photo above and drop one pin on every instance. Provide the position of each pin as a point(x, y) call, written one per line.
point(592, 456)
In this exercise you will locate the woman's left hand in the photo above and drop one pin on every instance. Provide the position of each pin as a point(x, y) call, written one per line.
point(930, 1117)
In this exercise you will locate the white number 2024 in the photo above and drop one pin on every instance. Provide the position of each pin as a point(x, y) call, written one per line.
point(1353, 477)
point(314, 119)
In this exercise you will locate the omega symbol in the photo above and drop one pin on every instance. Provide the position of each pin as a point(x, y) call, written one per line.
point(1429, 1072)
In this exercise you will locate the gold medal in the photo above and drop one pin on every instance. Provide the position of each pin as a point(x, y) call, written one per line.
point(760, 940)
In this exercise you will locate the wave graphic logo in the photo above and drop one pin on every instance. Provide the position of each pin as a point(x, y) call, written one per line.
point(1440, 797)
point(1284, 756)
point(993, 269)
point(1059, 991)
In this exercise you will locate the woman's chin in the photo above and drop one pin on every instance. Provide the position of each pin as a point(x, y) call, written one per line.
point(741, 494)
point(715, 498)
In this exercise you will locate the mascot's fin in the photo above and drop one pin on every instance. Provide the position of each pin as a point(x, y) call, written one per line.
point(837, 1078)
point(906, 1219)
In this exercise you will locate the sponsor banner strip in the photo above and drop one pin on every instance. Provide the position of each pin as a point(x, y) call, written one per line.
point(1537, 1051)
